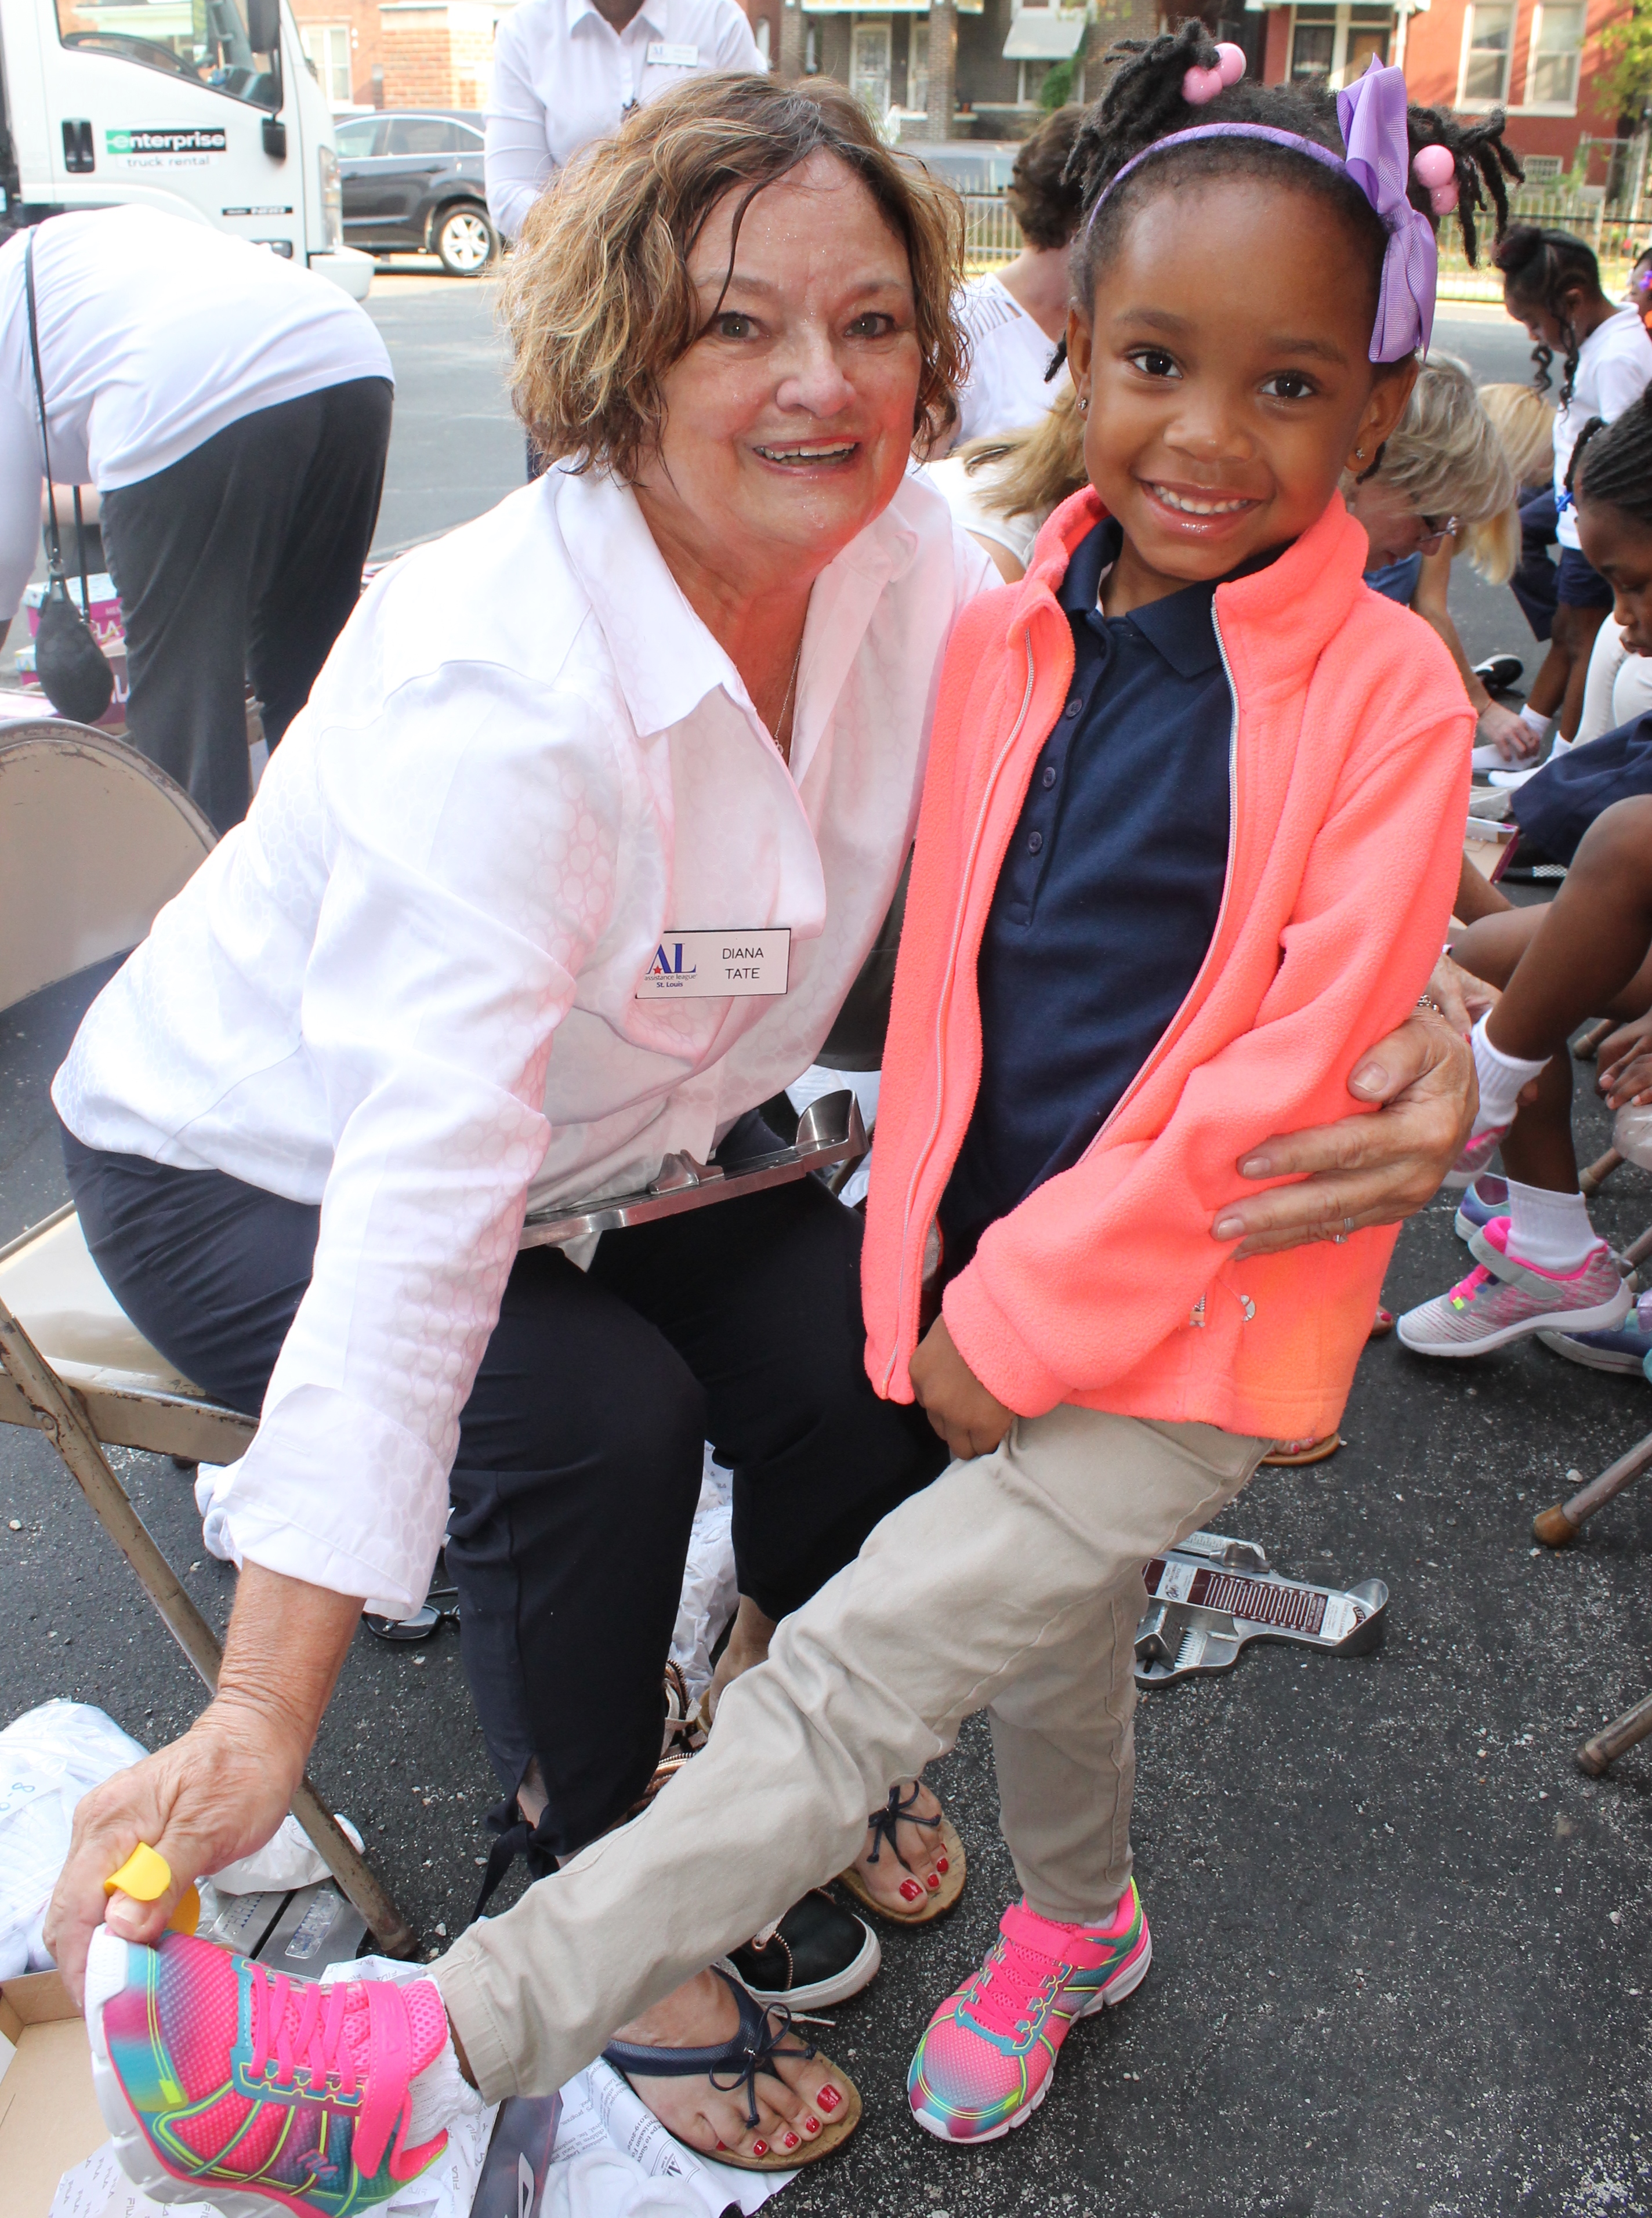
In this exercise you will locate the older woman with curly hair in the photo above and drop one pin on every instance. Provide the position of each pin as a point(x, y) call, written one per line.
point(680, 685)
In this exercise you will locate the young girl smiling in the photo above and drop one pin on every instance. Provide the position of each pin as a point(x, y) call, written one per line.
point(1189, 835)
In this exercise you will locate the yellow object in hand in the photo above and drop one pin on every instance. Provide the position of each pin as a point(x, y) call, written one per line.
point(145, 1875)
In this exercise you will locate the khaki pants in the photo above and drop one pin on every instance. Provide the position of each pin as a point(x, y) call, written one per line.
point(1013, 1584)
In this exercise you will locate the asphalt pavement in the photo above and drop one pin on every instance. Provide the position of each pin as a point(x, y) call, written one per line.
point(1402, 1958)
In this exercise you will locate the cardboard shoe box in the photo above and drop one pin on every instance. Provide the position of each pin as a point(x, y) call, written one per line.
point(49, 2117)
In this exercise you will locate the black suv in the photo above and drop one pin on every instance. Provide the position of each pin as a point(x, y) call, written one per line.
point(412, 183)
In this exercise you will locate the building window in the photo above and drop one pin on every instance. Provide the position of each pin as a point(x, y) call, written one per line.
point(762, 38)
point(917, 65)
point(1313, 46)
point(327, 46)
point(1487, 39)
point(1556, 50)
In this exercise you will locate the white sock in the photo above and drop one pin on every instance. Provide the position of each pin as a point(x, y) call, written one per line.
point(1541, 725)
point(440, 2094)
point(1550, 1230)
point(1501, 1076)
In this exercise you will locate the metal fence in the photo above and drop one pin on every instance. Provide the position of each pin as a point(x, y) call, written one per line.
point(991, 234)
point(1616, 235)
point(1615, 228)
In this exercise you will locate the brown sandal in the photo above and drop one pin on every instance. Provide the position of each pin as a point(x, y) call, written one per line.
point(1299, 1452)
point(740, 2059)
point(885, 1825)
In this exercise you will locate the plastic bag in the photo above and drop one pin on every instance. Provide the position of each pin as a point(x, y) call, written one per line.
point(290, 1858)
point(1631, 1135)
point(49, 1757)
point(710, 1589)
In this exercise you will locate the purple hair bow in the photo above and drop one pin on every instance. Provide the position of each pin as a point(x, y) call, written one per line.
point(1377, 157)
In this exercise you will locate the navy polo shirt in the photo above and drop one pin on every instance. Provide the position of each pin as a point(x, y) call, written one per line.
point(1109, 893)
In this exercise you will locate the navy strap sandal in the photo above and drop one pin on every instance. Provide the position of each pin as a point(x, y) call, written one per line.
point(884, 1825)
point(736, 2063)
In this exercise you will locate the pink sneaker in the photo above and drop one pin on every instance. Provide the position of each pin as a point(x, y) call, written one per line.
point(1475, 1157)
point(224, 2083)
point(986, 2055)
point(1504, 1298)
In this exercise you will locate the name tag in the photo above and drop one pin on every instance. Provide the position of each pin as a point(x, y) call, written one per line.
point(662, 54)
point(698, 966)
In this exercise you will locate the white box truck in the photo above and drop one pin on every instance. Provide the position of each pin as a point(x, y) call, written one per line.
point(206, 108)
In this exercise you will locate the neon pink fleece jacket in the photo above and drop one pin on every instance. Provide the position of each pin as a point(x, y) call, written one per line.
point(1349, 784)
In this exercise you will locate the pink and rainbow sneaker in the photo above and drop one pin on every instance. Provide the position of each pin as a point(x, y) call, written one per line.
point(985, 2061)
point(224, 2083)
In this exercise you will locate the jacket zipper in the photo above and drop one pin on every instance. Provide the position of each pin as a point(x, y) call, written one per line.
point(947, 976)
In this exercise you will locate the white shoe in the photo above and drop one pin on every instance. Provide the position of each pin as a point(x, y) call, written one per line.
point(1509, 781)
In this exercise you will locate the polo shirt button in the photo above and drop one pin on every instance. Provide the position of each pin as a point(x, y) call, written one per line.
point(1073, 707)
point(1049, 776)
point(1035, 841)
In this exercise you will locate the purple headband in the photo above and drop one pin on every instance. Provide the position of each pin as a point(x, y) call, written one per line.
point(1377, 157)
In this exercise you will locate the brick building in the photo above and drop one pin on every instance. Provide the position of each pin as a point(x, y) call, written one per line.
point(427, 53)
point(1540, 59)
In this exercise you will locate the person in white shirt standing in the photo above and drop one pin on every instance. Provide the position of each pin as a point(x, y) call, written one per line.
point(1551, 284)
point(564, 71)
point(1016, 316)
point(234, 413)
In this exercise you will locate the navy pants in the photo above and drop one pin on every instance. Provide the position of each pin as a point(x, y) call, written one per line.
point(580, 1448)
point(1554, 808)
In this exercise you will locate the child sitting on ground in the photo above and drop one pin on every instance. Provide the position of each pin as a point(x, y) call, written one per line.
point(1539, 1267)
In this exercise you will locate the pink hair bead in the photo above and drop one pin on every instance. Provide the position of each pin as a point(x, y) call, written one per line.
point(1442, 199)
point(1230, 60)
point(1434, 166)
point(1199, 85)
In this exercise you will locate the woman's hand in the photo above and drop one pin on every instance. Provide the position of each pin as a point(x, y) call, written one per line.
point(970, 1420)
point(216, 1794)
point(1508, 732)
point(222, 1790)
point(1369, 1170)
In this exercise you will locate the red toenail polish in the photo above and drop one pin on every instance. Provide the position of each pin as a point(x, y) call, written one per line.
point(942, 1865)
point(722, 2145)
point(828, 2098)
point(933, 1881)
point(790, 2142)
point(910, 1890)
point(760, 2148)
point(810, 2125)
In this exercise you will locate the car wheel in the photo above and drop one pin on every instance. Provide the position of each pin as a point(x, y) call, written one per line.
point(465, 240)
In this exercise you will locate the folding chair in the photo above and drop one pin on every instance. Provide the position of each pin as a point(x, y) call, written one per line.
point(93, 839)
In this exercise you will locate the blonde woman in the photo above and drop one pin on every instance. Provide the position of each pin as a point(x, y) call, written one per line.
point(1443, 485)
point(1001, 488)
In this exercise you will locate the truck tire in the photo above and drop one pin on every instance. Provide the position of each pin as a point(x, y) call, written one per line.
point(464, 239)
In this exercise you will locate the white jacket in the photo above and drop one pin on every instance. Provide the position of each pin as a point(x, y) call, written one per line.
point(408, 981)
